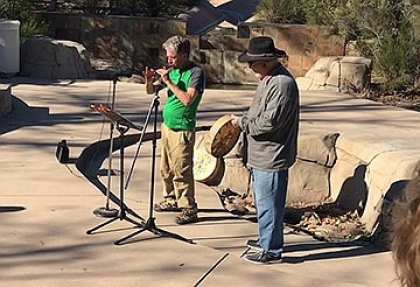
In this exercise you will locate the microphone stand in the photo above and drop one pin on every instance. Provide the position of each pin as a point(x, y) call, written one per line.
point(122, 124)
point(150, 222)
point(121, 213)
point(106, 211)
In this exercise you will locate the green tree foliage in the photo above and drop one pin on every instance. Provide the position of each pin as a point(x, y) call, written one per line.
point(22, 11)
point(385, 31)
point(320, 12)
point(148, 8)
point(392, 43)
point(281, 11)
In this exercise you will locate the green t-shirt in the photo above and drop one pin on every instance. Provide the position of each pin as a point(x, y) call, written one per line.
point(175, 114)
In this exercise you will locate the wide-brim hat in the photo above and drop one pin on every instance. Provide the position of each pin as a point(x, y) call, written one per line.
point(261, 49)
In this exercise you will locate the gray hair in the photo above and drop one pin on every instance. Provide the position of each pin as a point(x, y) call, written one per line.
point(179, 44)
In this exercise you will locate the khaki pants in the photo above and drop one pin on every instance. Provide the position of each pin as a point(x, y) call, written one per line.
point(176, 166)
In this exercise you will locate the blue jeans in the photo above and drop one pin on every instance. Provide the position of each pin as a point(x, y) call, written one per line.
point(270, 190)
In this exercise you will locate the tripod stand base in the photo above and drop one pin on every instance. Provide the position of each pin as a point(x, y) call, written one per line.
point(106, 212)
point(121, 216)
point(151, 227)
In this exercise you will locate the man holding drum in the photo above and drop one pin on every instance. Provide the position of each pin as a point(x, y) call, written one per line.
point(271, 128)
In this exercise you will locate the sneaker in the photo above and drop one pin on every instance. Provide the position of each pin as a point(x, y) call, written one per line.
point(253, 243)
point(263, 257)
point(188, 215)
point(166, 206)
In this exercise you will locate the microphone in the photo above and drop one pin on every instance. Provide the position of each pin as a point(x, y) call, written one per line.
point(122, 73)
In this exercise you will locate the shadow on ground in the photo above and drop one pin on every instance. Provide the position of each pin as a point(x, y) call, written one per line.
point(11, 208)
point(22, 115)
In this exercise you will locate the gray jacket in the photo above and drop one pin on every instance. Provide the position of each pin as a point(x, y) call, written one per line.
point(272, 122)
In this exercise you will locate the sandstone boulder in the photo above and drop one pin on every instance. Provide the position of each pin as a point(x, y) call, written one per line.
point(43, 57)
point(341, 73)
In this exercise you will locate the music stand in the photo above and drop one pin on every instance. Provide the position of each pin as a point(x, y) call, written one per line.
point(106, 211)
point(150, 223)
point(122, 124)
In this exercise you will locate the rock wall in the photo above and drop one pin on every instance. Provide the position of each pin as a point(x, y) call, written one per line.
point(133, 42)
point(348, 175)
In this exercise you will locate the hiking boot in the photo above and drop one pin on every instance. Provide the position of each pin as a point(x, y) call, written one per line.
point(188, 215)
point(253, 243)
point(166, 206)
point(263, 257)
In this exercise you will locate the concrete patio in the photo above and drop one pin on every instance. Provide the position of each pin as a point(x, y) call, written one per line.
point(46, 207)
